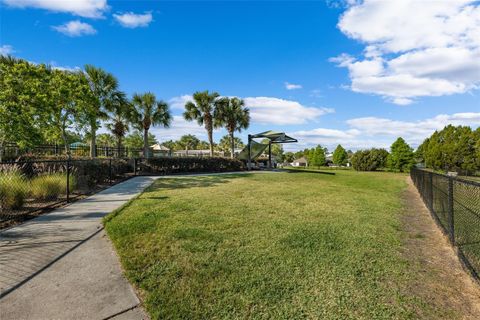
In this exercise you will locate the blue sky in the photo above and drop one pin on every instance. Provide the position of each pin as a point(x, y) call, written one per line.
point(359, 73)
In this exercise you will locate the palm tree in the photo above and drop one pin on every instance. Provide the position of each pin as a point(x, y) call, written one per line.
point(103, 90)
point(225, 144)
point(149, 112)
point(202, 109)
point(188, 142)
point(121, 117)
point(232, 114)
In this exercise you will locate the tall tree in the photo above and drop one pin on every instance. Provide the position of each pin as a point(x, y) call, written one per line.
point(103, 90)
point(340, 156)
point(318, 159)
point(23, 101)
point(401, 156)
point(135, 140)
point(232, 114)
point(149, 112)
point(202, 109)
point(225, 144)
point(188, 142)
point(67, 94)
point(122, 115)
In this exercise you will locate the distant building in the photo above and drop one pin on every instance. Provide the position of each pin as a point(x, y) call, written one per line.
point(301, 162)
point(197, 153)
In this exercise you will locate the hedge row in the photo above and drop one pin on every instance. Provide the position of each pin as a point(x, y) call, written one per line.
point(166, 165)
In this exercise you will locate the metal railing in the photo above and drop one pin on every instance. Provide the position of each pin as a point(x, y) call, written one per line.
point(454, 203)
point(13, 151)
point(30, 187)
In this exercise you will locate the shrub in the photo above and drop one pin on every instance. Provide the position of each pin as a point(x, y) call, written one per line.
point(13, 189)
point(191, 164)
point(369, 160)
point(50, 186)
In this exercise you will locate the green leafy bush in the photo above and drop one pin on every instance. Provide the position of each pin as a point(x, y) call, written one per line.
point(14, 188)
point(190, 164)
point(369, 160)
point(50, 186)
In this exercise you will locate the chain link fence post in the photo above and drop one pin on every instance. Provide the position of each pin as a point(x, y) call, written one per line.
point(430, 194)
point(68, 179)
point(451, 225)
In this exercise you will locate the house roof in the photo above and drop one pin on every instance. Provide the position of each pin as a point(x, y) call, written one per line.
point(301, 160)
point(159, 147)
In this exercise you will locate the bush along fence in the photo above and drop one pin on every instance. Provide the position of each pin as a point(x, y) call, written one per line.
point(30, 187)
point(455, 205)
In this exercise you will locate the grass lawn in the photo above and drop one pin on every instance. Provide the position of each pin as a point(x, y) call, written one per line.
point(269, 246)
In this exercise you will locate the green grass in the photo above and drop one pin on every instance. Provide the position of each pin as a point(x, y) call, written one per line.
point(269, 246)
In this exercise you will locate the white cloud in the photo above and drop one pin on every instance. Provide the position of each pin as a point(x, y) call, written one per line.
point(270, 110)
point(83, 8)
point(6, 50)
point(370, 132)
point(75, 29)
point(291, 86)
point(414, 131)
point(413, 48)
point(179, 102)
point(132, 20)
point(178, 128)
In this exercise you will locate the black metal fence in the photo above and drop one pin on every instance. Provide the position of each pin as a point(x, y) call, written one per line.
point(12, 151)
point(455, 204)
point(30, 187)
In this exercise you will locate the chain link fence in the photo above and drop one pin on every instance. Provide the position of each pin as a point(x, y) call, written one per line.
point(455, 204)
point(28, 188)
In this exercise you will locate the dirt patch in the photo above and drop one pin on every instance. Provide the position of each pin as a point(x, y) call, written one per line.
point(440, 277)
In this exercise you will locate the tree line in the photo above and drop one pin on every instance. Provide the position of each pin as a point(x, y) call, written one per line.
point(41, 104)
point(454, 148)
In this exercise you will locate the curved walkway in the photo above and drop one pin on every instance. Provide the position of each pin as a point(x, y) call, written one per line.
point(62, 266)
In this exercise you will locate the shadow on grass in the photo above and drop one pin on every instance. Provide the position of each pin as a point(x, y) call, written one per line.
point(308, 171)
point(192, 182)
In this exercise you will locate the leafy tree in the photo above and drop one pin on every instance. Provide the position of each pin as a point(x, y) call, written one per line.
point(369, 160)
point(401, 156)
point(135, 140)
point(23, 101)
point(277, 150)
point(105, 140)
point(340, 156)
point(66, 94)
point(149, 112)
point(188, 142)
point(103, 89)
point(289, 157)
point(232, 114)
point(204, 145)
point(225, 144)
point(170, 144)
point(476, 138)
point(202, 109)
point(453, 149)
point(317, 156)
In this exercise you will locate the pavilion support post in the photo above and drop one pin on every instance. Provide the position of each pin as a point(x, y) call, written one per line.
point(249, 165)
point(269, 154)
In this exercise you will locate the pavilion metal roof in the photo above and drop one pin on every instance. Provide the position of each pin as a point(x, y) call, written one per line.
point(274, 137)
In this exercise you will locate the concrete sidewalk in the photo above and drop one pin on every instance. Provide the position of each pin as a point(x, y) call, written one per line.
point(48, 269)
